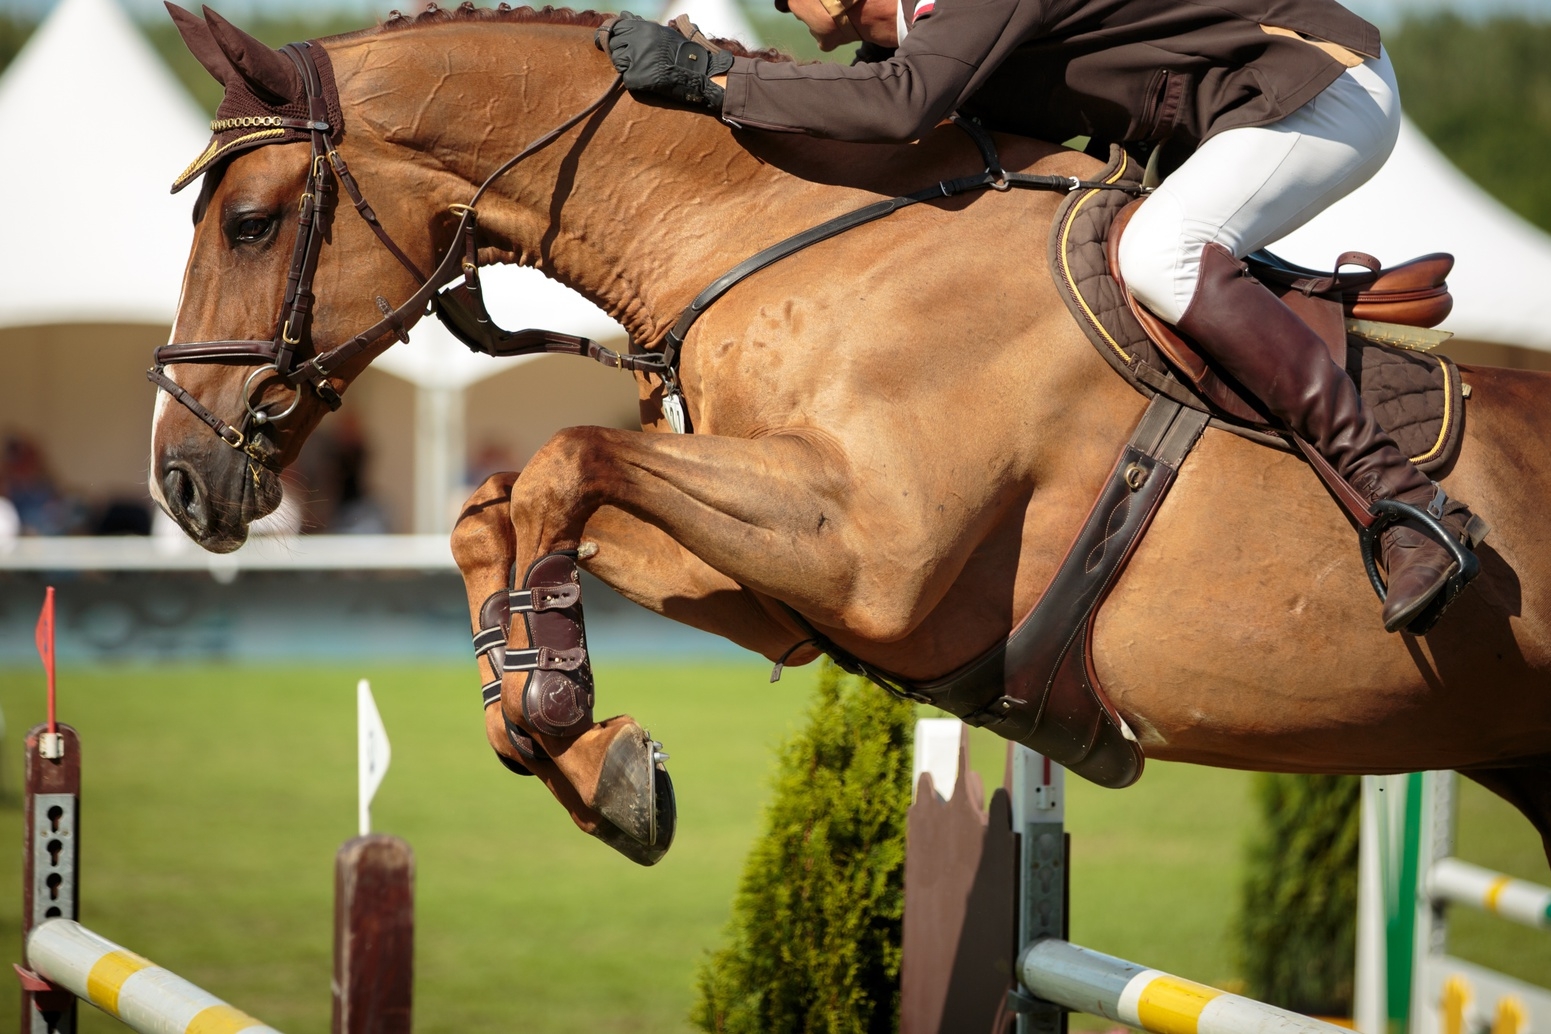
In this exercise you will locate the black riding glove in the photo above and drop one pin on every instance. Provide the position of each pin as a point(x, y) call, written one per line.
point(658, 59)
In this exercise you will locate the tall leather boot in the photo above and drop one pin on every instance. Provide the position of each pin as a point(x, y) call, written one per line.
point(1276, 356)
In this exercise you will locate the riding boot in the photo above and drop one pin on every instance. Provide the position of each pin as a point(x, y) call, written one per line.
point(1279, 359)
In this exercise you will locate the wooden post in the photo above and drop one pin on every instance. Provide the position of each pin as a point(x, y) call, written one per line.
point(51, 817)
point(374, 935)
point(960, 908)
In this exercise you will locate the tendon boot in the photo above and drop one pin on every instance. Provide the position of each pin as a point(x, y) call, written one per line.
point(609, 776)
point(1280, 360)
point(558, 698)
point(495, 618)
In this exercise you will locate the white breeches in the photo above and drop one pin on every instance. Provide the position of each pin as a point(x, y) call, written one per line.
point(1245, 188)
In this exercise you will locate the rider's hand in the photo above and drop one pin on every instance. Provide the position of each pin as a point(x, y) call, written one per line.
point(658, 59)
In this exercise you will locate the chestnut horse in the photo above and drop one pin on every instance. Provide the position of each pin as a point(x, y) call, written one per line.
point(896, 432)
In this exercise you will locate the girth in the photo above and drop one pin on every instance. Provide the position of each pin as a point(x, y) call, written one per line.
point(1037, 687)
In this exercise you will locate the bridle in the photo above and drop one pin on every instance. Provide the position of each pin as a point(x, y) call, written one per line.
point(464, 313)
point(461, 307)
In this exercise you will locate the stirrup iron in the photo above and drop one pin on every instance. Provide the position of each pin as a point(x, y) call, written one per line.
point(1466, 565)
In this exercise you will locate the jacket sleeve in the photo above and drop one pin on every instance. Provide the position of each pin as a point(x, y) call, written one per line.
point(890, 101)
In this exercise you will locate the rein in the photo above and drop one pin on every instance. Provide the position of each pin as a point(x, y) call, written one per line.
point(279, 353)
point(461, 307)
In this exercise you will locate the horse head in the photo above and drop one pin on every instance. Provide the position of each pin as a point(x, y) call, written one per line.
point(255, 360)
point(287, 297)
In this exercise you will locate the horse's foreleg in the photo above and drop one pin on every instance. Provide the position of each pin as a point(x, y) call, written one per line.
point(578, 769)
point(646, 566)
point(780, 515)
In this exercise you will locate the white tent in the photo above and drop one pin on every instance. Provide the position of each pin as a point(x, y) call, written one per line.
point(722, 19)
point(92, 252)
point(96, 127)
point(1419, 202)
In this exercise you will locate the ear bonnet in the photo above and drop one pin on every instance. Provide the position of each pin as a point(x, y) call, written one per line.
point(265, 102)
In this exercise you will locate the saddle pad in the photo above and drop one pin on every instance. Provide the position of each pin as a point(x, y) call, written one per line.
point(1417, 397)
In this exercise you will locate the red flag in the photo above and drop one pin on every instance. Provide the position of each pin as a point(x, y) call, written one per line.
point(45, 640)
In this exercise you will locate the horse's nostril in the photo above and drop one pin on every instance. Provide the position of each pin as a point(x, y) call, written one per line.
point(184, 498)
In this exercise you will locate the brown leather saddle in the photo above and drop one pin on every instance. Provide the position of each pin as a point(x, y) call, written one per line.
point(1039, 686)
point(1376, 323)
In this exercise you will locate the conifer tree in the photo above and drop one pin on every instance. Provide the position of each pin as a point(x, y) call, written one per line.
point(1297, 927)
point(813, 946)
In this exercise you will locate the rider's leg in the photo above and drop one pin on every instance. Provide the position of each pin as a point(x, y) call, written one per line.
point(1241, 190)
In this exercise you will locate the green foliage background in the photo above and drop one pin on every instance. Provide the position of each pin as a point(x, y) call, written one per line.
point(1481, 91)
point(814, 941)
point(1297, 922)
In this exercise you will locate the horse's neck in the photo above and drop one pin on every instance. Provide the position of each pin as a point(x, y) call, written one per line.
point(637, 209)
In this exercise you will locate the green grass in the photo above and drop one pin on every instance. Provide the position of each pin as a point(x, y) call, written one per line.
point(1491, 832)
point(216, 797)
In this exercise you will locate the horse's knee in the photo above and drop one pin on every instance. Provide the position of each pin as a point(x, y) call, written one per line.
point(569, 474)
point(482, 515)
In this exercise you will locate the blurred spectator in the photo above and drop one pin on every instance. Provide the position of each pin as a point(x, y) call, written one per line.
point(40, 507)
point(330, 481)
point(356, 512)
point(489, 458)
point(123, 517)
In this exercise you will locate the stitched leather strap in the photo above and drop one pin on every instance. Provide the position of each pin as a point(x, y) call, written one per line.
point(545, 658)
point(1038, 687)
point(539, 598)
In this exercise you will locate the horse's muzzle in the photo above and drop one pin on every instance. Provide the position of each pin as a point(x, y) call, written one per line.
point(218, 520)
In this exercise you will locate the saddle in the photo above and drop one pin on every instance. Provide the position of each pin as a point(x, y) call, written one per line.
point(1039, 687)
point(1375, 322)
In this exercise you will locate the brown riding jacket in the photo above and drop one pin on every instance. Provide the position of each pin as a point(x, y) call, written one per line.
point(1115, 70)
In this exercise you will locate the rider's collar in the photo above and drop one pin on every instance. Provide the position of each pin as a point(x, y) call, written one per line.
point(920, 9)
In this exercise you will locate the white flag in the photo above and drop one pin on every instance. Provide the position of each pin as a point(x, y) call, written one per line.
point(372, 748)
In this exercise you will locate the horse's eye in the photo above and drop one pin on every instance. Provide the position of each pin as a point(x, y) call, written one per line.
point(250, 229)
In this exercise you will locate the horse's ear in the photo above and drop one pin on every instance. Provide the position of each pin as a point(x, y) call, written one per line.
point(196, 36)
point(269, 73)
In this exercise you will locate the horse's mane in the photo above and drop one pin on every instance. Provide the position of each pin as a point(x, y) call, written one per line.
point(506, 14)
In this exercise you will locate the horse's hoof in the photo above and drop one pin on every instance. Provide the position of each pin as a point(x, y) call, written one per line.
point(634, 797)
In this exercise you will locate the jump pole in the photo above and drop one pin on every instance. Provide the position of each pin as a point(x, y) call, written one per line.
point(1055, 972)
point(128, 987)
point(1407, 982)
point(373, 924)
point(1052, 976)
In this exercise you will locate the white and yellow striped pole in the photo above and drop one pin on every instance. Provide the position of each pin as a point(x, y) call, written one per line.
point(1088, 981)
point(1461, 883)
point(128, 987)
